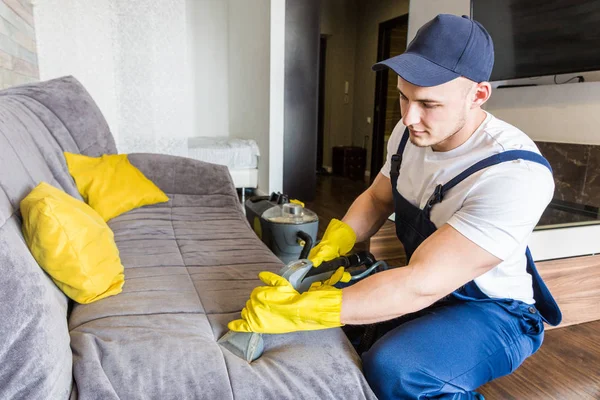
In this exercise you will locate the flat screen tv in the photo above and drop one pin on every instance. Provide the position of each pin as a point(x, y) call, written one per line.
point(541, 37)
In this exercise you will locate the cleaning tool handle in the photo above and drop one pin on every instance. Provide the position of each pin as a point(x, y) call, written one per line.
point(308, 244)
point(353, 260)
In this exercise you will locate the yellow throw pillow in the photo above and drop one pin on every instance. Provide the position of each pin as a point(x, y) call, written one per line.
point(111, 185)
point(72, 243)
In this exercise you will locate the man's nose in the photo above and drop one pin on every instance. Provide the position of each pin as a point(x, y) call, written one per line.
point(410, 114)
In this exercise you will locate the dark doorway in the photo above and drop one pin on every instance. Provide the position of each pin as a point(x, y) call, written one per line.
point(321, 115)
point(392, 42)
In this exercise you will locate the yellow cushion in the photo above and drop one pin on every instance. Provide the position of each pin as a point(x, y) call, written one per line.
point(72, 243)
point(111, 185)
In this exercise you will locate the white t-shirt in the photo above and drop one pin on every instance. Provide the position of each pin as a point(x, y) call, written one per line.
point(496, 208)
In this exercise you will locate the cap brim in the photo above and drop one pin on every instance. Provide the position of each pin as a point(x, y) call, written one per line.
point(417, 70)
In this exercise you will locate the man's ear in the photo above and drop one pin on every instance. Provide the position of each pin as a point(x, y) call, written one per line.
point(482, 93)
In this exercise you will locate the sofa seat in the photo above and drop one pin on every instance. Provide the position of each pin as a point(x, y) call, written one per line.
point(190, 265)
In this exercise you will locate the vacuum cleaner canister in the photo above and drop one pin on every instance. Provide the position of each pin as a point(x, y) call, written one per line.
point(286, 228)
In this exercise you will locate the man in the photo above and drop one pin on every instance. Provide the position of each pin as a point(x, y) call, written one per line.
point(467, 190)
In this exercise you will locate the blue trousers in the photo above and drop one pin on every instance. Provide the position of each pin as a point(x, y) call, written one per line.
point(450, 349)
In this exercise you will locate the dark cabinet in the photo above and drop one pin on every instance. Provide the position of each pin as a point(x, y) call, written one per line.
point(349, 161)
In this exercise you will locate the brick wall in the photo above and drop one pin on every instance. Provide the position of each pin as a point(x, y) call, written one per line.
point(18, 55)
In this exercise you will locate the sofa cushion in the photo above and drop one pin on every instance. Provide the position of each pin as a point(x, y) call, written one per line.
point(35, 357)
point(62, 110)
point(72, 243)
point(190, 265)
point(37, 123)
point(111, 185)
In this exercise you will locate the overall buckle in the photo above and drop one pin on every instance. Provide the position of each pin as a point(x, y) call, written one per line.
point(395, 168)
point(436, 197)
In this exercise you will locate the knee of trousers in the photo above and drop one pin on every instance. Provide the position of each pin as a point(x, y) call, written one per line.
point(397, 370)
point(393, 373)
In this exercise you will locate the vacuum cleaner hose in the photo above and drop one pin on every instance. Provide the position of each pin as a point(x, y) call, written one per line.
point(308, 244)
point(379, 264)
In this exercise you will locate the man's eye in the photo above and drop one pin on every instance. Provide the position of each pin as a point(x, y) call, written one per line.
point(428, 105)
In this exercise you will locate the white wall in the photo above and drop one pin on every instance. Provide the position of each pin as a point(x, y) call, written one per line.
point(164, 70)
point(208, 24)
point(250, 79)
point(74, 38)
point(421, 11)
point(151, 61)
point(274, 158)
point(568, 113)
point(133, 57)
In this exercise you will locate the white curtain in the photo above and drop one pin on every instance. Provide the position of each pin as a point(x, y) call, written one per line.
point(133, 56)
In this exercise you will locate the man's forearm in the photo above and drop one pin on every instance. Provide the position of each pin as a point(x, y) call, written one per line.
point(383, 296)
point(445, 261)
point(366, 215)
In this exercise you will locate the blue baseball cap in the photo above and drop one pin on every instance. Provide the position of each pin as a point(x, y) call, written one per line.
point(444, 49)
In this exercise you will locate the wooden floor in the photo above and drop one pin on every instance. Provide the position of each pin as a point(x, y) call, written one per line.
point(567, 366)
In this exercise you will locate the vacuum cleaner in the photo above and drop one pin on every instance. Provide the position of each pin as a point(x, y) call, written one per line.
point(301, 274)
point(287, 228)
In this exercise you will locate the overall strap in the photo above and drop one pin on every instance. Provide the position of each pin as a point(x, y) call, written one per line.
point(505, 156)
point(397, 161)
point(544, 301)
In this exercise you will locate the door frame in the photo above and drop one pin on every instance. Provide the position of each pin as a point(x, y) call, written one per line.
point(321, 103)
point(381, 83)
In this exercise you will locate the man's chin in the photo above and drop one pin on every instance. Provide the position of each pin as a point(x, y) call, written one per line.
point(419, 141)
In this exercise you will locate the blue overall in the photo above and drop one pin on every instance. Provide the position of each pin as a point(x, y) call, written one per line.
point(448, 350)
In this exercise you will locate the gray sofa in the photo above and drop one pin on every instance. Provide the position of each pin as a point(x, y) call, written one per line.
point(190, 265)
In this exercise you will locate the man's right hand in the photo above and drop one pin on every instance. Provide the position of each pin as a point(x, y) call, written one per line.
point(338, 240)
point(279, 308)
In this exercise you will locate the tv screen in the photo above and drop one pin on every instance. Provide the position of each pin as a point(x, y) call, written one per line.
point(541, 37)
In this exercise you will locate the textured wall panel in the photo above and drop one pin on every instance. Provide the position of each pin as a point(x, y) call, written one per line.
point(133, 57)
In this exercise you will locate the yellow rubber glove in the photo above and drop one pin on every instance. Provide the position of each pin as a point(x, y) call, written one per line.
point(294, 201)
point(337, 241)
point(279, 308)
point(338, 276)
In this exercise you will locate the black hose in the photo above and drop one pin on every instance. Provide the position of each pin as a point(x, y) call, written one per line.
point(329, 266)
point(362, 257)
point(308, 244)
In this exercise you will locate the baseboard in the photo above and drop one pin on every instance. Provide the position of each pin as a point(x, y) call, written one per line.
point(564, 241)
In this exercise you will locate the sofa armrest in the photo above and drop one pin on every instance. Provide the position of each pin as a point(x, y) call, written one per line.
point(180, 175)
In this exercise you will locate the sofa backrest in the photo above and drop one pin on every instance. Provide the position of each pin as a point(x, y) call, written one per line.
point(37, 123)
